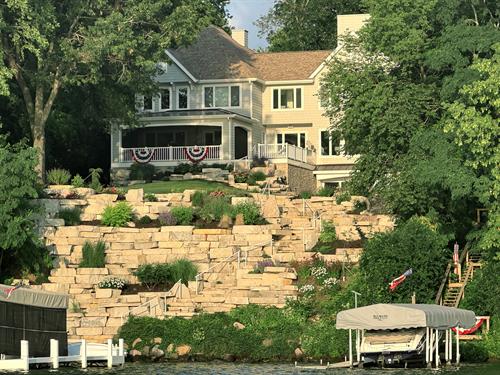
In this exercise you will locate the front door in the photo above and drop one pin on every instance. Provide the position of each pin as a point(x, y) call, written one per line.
point(240, 143)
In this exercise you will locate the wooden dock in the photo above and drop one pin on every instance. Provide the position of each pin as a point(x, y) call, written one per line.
point(78, 352)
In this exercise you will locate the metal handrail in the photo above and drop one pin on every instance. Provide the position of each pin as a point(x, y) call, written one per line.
point(235, 255)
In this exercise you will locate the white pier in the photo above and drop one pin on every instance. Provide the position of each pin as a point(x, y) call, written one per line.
point(82, 352)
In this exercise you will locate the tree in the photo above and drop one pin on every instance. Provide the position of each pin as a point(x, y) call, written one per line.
point(17, 188)
point(302, 25)
point(50, 45)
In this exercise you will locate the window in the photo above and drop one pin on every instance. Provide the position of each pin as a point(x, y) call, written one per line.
point(296, 139)
point(287, 98)
point(182, 98)
point(222, 96)
point(330, 143)
point(164, 98)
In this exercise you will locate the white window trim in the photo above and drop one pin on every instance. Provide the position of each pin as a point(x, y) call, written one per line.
point(158, 98)
point(220, 85)
point(341, 145)
point(294, 88)
point(177, 96)
point(297, 133)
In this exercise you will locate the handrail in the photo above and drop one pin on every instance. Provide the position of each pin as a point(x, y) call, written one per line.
point(235, 255)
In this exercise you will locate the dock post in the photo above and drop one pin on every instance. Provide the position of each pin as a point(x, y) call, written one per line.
point(121, 351)
point(427, 345)
point(437, 348)
point(25, 356)
point(350, 348)
point(110, 353)
point(83, 353)
point(457, 348)
point(54, 353)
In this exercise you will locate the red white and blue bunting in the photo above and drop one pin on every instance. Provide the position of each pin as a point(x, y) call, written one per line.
point(142, 155)
point(195, 154)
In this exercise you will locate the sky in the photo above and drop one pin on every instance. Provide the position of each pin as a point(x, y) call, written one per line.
point(245, 13)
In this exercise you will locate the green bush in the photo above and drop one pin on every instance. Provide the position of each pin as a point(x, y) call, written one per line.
point(150, 197)
point(154, 275)
point(258, 176)
point(118, 215)
point(413, 244)
point(182, 215)
point(71, 216)
point(214, 207)
point(198, 198)
point(58, 176)
point(140, 171)
point(325, 191)
point(78, 181)
point(184, 270)
point(251, 213)
point(93, 255)
point(305, 195)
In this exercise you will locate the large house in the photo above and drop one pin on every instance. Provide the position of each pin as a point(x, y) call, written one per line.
point(221, 102)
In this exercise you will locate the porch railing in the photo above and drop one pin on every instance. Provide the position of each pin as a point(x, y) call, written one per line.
point(177, 153)
point(282, 151)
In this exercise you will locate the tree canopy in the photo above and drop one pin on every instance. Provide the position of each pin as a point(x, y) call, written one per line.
point(302, 25)
point(49, 45)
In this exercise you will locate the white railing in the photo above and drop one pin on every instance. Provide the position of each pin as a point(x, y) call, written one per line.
point(171, 153)
point(282, 151)
point(239, 256)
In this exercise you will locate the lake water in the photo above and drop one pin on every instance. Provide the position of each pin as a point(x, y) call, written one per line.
point(216, 368)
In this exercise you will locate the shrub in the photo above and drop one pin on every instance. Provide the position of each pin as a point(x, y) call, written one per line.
point(258, 176)
point(78, 181)
point(112, 283)
point(325, 191)
point(144, 220)
point(182, 215)
point(140, 171)
point(150, 197)
point(118, 215)
point(198, 198)
point(58, 176)
point(343, 197)
point(184, 270)
point(167, 219)
point(251, 213)
point(153, 275)
point(93, 255)
point(214, 208)
point(305, 195)
point(71, 216)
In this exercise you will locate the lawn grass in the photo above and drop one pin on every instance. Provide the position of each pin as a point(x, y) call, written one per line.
point(163, 187)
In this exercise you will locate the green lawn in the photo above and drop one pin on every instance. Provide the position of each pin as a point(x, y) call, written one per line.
point(162, 187)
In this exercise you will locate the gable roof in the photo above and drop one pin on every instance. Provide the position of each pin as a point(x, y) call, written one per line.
point(215, 55)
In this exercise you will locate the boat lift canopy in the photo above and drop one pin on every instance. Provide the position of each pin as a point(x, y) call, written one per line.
point(400, 316)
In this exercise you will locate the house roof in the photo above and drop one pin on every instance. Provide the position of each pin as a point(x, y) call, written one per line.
point(215, 55)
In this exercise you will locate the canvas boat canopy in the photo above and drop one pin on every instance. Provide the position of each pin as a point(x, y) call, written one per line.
point(399, 316)
point(33, 297)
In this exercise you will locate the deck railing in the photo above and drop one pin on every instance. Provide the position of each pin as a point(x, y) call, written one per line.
point(282, 151)
point(172, 153)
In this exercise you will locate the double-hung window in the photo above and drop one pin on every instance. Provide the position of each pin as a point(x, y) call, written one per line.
point(164, 99)
point(330, 143)
point(287, 98)
point(182, 98)
point(221, 96)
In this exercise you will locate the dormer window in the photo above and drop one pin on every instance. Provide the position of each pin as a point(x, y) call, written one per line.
point(221, 96)
point(164, 99)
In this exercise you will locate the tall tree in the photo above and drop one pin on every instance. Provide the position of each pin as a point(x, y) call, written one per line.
point(48, 45)
point(302, 25)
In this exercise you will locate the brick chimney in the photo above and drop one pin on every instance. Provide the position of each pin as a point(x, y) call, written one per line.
point(240, 36)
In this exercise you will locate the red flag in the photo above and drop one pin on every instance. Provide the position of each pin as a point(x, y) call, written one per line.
point(398, 280)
